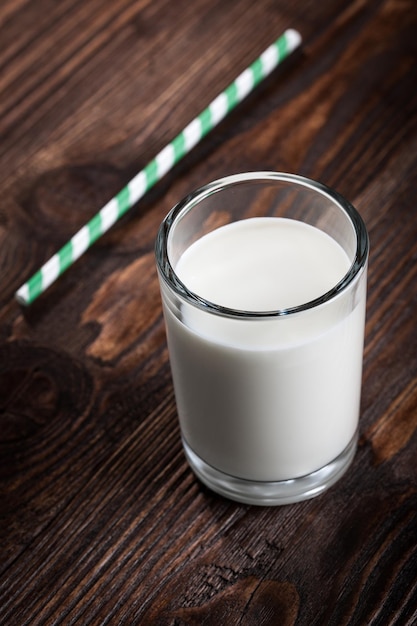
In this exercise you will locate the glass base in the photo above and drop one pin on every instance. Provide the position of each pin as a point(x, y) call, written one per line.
point(272, 493)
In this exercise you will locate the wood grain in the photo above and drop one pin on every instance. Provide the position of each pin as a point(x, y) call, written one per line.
point(101, 520)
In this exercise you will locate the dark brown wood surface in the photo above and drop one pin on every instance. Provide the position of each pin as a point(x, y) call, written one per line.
point(102, 521)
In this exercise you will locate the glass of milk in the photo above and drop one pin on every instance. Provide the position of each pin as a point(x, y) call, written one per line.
point(263, 286)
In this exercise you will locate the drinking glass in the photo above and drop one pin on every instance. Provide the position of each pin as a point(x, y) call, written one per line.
point(268, 396)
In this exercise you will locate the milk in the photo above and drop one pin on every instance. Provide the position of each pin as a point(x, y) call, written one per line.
point(266, 399)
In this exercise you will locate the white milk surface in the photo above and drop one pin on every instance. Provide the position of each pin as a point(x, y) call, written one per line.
point(266, 400)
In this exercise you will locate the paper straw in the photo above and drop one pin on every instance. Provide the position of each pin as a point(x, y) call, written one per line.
point(159, 166)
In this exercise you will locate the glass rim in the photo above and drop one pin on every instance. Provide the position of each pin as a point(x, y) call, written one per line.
point(195, 197)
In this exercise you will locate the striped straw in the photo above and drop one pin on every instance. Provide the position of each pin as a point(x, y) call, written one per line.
point(159, 166)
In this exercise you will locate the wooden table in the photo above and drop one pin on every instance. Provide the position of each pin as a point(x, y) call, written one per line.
point(102, 520)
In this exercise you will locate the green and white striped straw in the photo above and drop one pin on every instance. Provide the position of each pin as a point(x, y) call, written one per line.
point(159, 166)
